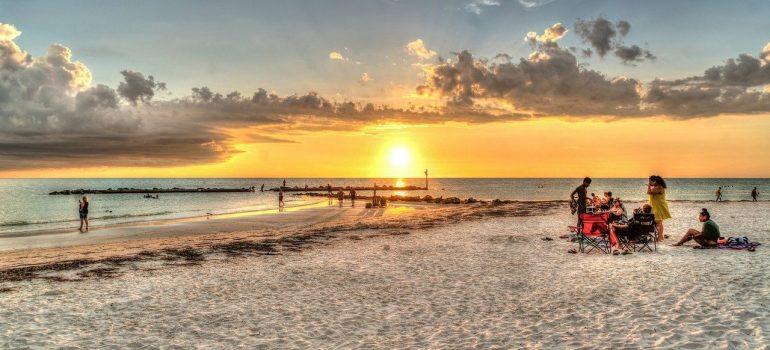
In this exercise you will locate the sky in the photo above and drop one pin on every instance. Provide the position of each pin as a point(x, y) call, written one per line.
point(384, 88)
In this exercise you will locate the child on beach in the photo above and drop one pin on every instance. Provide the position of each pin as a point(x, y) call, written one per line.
point(83, 210)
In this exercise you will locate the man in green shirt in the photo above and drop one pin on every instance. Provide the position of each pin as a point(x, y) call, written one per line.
point(707, 237)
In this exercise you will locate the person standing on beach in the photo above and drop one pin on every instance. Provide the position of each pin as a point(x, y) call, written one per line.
point(280, 200)
point(340, 197)
point(284, 182)
point(83, 210)
point(262, 188)
point(719, 194)
point(582, 196)
point(352, 197)
point(329, 193)
point(656, 188)
point(754, 194)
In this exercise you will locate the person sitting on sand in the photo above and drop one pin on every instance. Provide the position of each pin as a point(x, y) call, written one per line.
point(607, 200)
point(83, 210)
point(617, 212)
point(707, 237)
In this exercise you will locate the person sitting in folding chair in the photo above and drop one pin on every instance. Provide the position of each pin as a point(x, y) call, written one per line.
point(636, 230)
point(708, 237)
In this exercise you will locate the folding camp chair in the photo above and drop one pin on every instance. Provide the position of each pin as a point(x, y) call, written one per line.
point(641, 234)
point(593, 233)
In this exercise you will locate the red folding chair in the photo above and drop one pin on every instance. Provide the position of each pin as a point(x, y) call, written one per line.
point(594, 233)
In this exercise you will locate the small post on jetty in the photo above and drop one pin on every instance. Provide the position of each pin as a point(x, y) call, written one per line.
point(426, 179)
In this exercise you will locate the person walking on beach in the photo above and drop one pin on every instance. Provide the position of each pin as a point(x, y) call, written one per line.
point(719, 194)
point(754, 194)
point(262, 188)
point(707, 237)
point(352, 197)
point(280, 200)
point(340, 197)
point(656, 188)
point(83, 210)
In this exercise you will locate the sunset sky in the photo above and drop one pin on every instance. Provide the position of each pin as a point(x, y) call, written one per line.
point(384, 88)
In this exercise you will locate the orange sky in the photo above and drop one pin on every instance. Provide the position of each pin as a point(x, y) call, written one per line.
point(726, 146)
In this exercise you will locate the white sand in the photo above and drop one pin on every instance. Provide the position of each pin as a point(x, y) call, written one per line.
point(491, 283)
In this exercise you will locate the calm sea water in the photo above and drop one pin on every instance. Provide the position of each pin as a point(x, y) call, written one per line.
point(26, 205)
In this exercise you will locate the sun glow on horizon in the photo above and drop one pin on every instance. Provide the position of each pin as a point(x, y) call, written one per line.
point(400, 157)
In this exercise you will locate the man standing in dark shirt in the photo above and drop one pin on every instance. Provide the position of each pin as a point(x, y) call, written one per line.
point(582, 194)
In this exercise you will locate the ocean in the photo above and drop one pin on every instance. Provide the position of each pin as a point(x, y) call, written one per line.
point(27, 206)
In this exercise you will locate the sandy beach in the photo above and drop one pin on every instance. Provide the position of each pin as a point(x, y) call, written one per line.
point(410, 276)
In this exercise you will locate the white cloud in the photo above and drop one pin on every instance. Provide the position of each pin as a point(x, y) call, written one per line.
point(534, 3)
point(551, 34)
point(365, 78)
point(417, 48)
point(336, 56)
point(477, 6)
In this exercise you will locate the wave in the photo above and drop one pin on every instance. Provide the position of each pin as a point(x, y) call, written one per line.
point(126, 216)
point(15, 223)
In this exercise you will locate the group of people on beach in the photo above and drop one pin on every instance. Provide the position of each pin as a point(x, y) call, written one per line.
point(718, 193)
point(657, 205)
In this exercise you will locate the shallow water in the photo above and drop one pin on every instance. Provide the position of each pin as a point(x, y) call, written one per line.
point(27, 206)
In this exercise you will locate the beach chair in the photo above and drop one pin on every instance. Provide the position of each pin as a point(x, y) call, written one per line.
point(593, 233)
point(641, 234)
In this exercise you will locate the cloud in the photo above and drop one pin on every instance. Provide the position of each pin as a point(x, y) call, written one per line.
point(365, 78)
point(478, 6)
point(136, 87)
point(623, 27)
point(417, 48)
point(550, 81)
point(603, 37)
point(552, 33)
point(336, 56)
point(534, 3)
point(633, 53)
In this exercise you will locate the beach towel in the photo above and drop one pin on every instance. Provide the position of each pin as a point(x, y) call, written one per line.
point(737, 243)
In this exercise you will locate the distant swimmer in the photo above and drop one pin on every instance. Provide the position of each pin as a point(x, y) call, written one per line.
point(754, 194)
point(719, 194)
point(83, 210)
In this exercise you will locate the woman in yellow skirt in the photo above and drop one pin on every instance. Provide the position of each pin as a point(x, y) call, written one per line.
point(656, 188)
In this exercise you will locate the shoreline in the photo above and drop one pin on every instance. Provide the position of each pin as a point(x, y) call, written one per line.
point(275, 234)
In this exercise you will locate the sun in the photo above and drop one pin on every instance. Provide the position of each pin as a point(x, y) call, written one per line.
point(399, 157)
